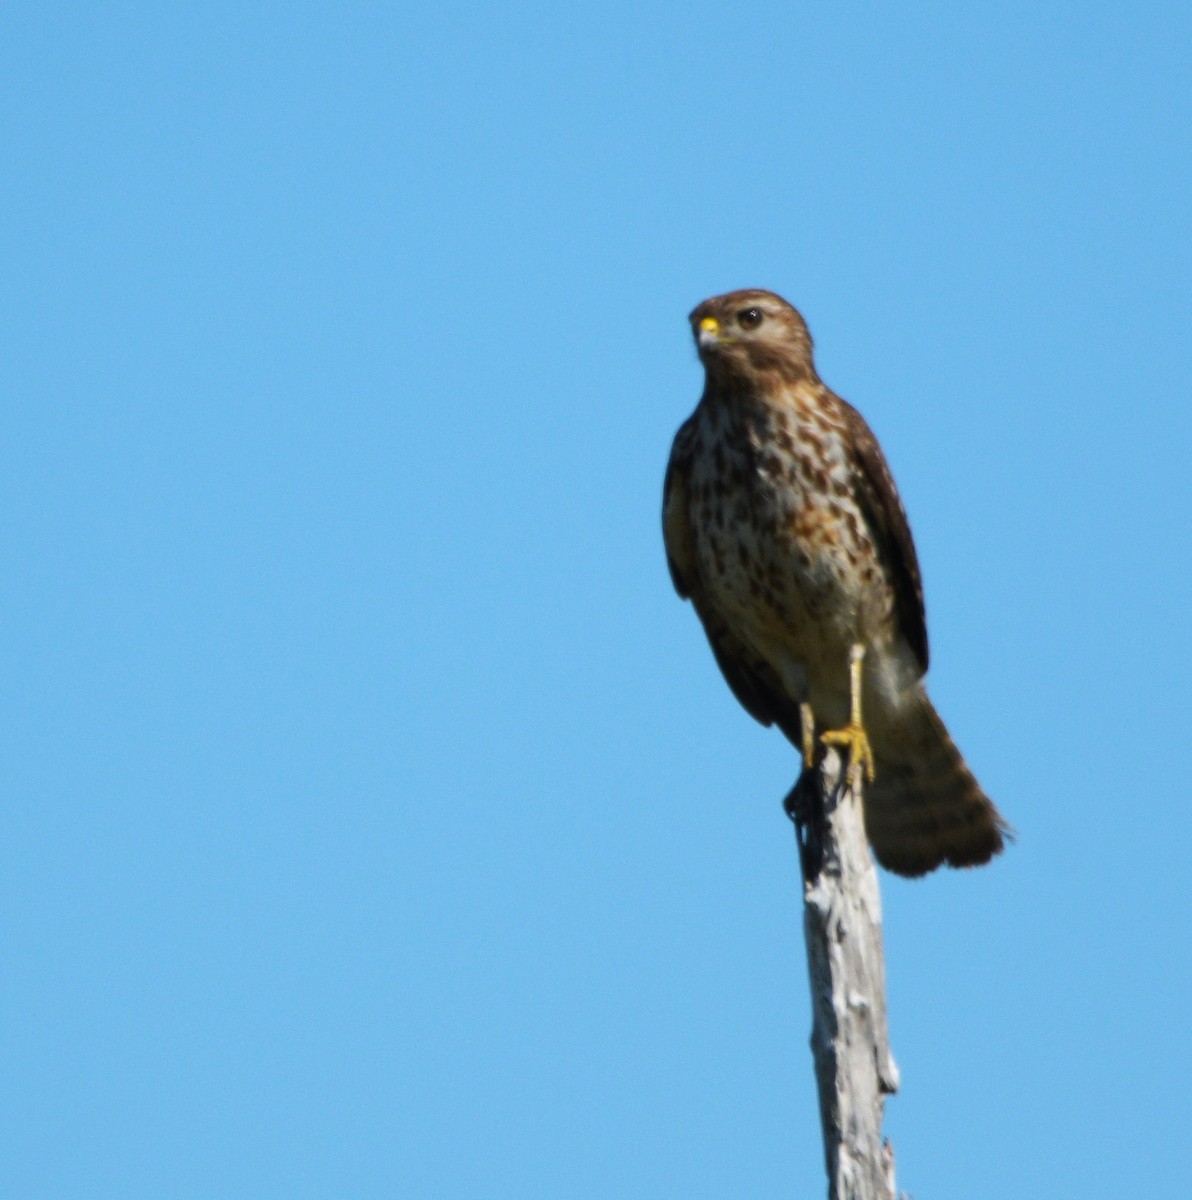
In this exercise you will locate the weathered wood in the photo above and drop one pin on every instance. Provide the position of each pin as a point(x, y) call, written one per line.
point(842, 922)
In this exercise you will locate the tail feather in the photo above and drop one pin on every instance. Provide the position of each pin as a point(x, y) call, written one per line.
point(924, 808)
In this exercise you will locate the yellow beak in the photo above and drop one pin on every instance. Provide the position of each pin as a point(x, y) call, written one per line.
point(708, 333)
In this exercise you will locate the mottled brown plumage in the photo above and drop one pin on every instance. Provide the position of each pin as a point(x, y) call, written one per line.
point(784, 528)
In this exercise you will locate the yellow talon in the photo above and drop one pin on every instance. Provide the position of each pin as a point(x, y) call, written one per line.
point(860, 753)
point(853, 735)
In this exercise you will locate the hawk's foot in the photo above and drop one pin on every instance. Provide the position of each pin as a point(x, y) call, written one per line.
point(853, 735)
point(860, 753)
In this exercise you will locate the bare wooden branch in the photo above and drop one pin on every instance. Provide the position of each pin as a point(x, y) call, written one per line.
point(842, 922)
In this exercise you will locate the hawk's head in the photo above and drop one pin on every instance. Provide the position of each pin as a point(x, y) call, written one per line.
point(752, 336)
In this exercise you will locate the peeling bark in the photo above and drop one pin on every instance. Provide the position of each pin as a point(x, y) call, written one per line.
point(842, 923)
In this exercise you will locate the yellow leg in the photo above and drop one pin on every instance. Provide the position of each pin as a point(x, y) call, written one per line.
point(807, 724)
point(853, 735)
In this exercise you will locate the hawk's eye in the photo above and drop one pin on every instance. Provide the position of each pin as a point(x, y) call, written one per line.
point(749, 318)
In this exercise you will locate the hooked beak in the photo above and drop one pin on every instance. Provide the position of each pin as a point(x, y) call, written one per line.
point(708, 333)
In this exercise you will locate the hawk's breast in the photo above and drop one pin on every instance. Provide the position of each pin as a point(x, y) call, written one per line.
point(781, 544)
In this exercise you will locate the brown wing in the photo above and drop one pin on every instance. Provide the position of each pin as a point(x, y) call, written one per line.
point(887, 521)
point(676, 524)
point(754, 683)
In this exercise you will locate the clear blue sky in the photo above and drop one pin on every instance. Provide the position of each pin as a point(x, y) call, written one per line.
point(375, 822)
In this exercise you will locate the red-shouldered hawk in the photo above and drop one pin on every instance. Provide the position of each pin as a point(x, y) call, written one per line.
point(784, 528)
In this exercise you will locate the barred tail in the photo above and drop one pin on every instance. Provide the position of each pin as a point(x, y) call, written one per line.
point(924, 807)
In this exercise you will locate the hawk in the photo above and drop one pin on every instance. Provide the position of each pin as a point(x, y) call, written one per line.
point(784, 529)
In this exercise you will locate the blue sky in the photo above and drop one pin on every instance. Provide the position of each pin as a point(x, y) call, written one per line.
point(375, 820)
